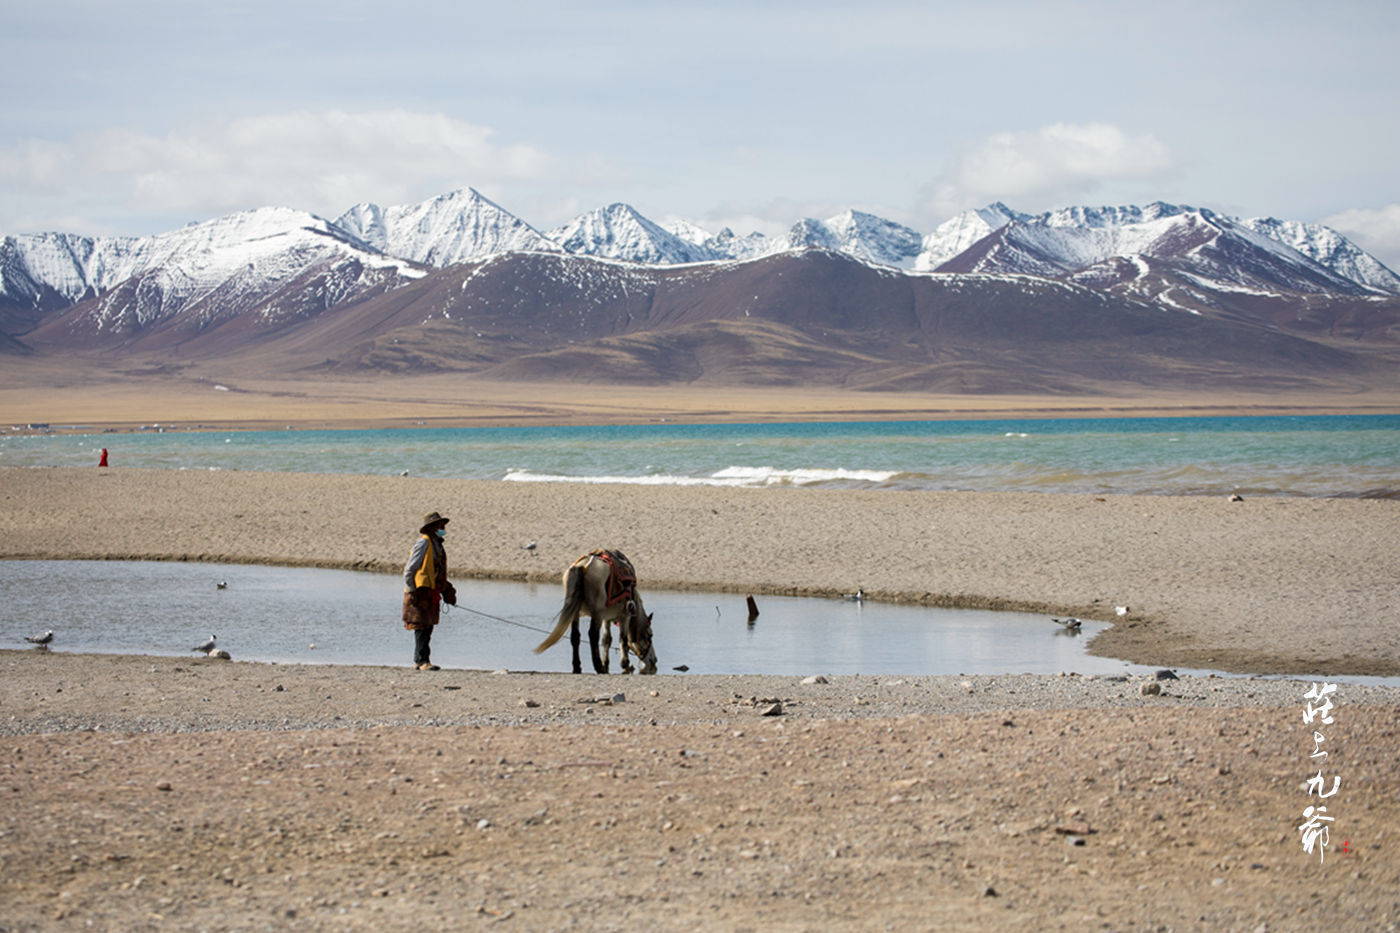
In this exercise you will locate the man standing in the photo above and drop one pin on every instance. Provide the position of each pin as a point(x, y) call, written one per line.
point(425, 586)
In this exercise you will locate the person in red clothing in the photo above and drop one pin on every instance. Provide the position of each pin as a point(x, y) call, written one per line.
point(103, 461)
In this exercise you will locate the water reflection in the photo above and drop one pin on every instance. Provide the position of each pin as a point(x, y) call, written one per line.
point(297, 615)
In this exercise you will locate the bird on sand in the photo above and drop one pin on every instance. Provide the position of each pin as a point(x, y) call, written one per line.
point(531, 548)
point(43, 639)
point(207, 646)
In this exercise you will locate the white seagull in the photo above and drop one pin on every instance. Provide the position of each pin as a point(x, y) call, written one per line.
point(207, 646)
point(43, 639)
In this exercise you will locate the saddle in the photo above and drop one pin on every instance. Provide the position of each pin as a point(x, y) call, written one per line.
point(622, 579)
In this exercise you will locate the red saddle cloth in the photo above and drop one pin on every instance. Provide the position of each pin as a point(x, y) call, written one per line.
point(622, 579)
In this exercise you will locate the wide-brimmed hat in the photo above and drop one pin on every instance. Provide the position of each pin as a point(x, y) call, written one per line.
point(430, 520)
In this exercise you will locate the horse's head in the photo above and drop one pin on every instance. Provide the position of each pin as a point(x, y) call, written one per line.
point(639, 621)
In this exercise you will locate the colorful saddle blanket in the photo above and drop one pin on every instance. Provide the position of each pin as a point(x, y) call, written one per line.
point(622, 579)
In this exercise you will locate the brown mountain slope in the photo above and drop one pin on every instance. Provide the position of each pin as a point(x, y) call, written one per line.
point(810, 317)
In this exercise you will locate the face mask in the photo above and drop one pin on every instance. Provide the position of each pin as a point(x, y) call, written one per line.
point(442, 532)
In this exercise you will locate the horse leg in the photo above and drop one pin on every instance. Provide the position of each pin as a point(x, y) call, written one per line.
point(626, 633)
point(623, 643)
point(574, 639)
point(600, 664)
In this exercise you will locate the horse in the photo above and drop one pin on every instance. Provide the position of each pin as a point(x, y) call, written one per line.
point(604, 585)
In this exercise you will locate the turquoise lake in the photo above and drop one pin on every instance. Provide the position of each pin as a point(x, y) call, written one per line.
point(1342, 455)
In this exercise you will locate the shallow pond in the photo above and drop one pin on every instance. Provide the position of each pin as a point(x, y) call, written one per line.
point(298, 615)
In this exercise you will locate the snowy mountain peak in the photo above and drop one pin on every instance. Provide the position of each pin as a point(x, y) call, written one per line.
point(1262, 254)
point(954, 236)
point(691, 233)
point(1111, 216)
point(729, 245)
point(366, 222)
point(441, 231)
point(1329, 248)
point(864, 236)
point(618, 231)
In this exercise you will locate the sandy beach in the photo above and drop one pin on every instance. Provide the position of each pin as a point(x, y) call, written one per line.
point(1262, 586)
point(194, 794)
point(62, 392)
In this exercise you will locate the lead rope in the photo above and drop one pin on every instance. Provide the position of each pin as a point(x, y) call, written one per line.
point(487, 615)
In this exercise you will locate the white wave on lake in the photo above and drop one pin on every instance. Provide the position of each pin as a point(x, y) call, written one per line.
point(729, 476)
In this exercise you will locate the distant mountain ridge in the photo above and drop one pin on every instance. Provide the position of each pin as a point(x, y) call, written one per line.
point(460, 226)
point(270, 277)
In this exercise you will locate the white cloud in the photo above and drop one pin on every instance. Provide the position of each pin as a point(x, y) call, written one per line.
point(1376, 231)
point(1050, 166)
point(322, 162)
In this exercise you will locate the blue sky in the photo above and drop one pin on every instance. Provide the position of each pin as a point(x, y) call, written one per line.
point(140, 116)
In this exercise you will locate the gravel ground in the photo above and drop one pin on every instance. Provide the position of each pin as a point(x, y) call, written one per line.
point(180, 794)
point(170, 794)
point(50, 691)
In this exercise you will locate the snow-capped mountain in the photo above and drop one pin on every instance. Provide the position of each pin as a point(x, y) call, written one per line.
point(1329, 248)
point(729, 245)
point(277, 261)
point(693, 234)
point(60, 269)
point(864, 236)
point(726, 244)
point(237, 281)
point(442, 231)
point(1074, 241)
point(1262, 254)
point(955, 235)
point(619, 232)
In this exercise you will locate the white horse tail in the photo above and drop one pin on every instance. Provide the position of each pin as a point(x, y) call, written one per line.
point(574, 580)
